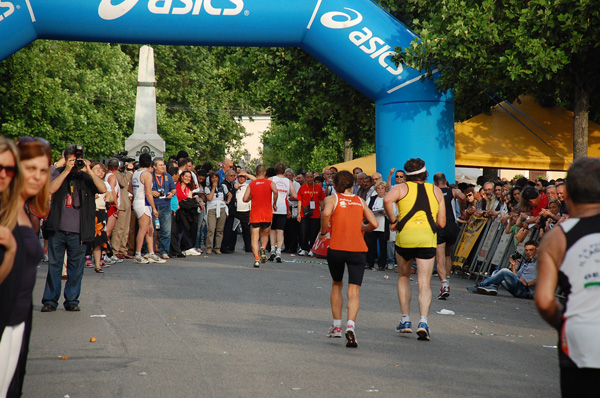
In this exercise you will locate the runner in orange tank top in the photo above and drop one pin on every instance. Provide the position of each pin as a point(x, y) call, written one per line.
point(347, 247)
point(263, 194)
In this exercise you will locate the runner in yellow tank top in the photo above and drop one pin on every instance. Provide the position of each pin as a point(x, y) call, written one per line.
point(421, 210)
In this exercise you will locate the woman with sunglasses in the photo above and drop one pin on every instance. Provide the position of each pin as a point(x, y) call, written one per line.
point(36, 159)
point(471, 207)
point(11, 182)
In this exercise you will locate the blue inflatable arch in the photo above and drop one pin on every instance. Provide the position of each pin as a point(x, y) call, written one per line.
point(354, 38)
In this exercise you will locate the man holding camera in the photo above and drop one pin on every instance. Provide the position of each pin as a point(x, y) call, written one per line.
point(163, 189)
point(70, 226)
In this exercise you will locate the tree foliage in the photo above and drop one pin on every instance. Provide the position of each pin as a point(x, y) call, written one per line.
point(314, 111)
point(549, 48)
point(68, 93)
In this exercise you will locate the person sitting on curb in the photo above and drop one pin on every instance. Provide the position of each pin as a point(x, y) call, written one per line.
point(520, 284)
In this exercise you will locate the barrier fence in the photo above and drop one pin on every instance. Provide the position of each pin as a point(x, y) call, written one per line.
point(483, 246)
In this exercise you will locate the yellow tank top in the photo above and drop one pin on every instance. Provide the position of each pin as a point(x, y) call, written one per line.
point(417, 213)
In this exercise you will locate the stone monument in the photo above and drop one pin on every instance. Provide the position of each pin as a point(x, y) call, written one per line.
point(145, 138)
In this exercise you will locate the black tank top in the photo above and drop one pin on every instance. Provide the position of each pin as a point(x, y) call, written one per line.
point(28, 256)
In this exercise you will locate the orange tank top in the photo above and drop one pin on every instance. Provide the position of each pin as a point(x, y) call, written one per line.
point(262, 201)
point(346, 221)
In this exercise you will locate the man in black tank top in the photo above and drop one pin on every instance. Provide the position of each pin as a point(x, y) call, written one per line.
point(569, 257)
point(446, 237)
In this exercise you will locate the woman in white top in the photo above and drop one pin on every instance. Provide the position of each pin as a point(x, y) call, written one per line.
point(375, 203)
point(218, 198)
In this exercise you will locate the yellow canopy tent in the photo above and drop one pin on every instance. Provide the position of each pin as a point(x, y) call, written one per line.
point(499, 141)
point(366, 163)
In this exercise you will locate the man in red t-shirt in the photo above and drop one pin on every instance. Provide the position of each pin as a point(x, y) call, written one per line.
point(263, 194)
point(310, 197)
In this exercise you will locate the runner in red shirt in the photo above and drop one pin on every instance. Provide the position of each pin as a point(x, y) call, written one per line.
point(310, 196)
point(263, 194)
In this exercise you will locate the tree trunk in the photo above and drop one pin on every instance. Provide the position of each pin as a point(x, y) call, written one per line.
point(348, 150)
point(490, 174)
point(580, 120)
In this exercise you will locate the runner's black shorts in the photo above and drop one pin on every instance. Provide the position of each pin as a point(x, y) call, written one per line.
point(447, 236)
point(262, 225)
point(424, 253)
point(279, 221)
point(337, 261)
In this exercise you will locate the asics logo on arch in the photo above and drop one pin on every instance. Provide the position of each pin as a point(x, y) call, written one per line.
point(328, 19)
point(108, 11)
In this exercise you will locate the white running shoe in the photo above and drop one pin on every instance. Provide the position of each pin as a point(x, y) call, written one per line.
point(116, 259)
point(153, 258)
point(335, 331)
point(302, 253)
point(191, 252)
point(140, 260)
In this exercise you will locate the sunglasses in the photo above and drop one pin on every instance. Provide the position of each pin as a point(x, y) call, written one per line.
point(9, 170)
point(29, 140)
point(469, 195)
point(399, 176)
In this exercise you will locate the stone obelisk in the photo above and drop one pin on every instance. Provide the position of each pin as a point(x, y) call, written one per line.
point(145, 137)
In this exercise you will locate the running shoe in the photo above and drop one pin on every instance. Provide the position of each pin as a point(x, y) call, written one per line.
point(310, 254)
point(272, 255)
point(116, 259)
point(192, 252)
point(153, 258)
point(108, 260)
point(256, 264)
point(351, 337)
point(140, 260)
point(404, 327)
point(444, 293)
point(489, 290)
point(88, 262)
point(45, 258)
point(302, 252)
point(278, 258)
point(263, 255)
point(165, 256)
point(423, 331)
point(335, 331)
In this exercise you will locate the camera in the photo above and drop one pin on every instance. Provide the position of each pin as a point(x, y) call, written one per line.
point(516, 256)
point(161, 193)
point(79, 163)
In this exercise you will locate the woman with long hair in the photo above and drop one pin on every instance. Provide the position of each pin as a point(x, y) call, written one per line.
point(217, 197)
point(11, 183)
point(36, 159)
point(187, 214)
point(345, 212)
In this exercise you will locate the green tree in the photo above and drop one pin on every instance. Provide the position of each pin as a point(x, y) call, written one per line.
point(314, 111)
point(69, 93)
point(549, 48)
point(196, 104)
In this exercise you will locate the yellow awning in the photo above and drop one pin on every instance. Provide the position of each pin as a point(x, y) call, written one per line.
point(366, 163)
point(500, 141)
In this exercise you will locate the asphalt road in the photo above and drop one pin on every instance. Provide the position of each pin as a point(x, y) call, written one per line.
point(213, 326)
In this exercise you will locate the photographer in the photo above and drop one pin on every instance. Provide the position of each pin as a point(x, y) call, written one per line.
point(163, 189)
point(70, 226)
